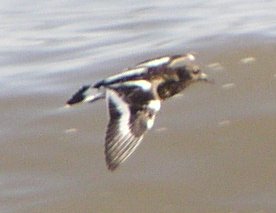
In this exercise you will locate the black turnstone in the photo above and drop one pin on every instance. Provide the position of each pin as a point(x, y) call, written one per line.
point(134, 98)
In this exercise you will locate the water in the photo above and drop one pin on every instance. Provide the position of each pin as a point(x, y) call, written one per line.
point(211, 150)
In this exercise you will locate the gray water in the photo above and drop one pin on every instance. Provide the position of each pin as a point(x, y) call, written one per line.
point(212, 149)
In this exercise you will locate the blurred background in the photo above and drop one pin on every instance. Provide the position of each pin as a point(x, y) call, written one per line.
point(212, 149)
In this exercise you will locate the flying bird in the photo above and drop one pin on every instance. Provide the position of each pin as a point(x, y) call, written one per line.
point(134, 98)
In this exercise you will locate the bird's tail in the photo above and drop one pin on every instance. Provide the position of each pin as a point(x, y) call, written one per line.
point(86, 94)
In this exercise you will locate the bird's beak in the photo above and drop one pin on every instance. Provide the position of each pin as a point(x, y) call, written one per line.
point(204, 77)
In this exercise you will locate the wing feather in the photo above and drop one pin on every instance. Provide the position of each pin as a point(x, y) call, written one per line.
point(125, 129)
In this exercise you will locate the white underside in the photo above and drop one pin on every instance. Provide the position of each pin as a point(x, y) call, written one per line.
point(154, 105)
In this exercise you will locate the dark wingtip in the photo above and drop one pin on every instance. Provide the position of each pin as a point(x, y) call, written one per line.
point(98, 84)
point(78, 96)
point(112, 168)
point(111, 165)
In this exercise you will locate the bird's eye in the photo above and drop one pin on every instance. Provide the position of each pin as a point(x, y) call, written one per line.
point(196, 70)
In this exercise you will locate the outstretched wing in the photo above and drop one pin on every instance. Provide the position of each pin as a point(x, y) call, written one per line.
point(126, 127)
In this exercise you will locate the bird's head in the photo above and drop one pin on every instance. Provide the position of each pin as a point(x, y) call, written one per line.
point(187, 70)
point(196, 74)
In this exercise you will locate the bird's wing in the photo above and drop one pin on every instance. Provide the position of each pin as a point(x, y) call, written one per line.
point(126, 127)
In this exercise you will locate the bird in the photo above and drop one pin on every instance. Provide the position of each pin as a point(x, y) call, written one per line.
point(134, 98)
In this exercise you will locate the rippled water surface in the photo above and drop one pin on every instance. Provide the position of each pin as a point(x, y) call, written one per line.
point(212, 149)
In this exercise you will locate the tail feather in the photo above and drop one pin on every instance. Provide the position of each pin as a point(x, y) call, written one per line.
point(85, 94)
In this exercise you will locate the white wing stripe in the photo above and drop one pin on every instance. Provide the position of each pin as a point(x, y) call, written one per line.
point(127, 73)
point(181, 61)
point(155, 62)
point(122, 107)
point(145, 85)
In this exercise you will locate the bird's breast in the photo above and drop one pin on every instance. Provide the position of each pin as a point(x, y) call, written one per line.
point(169, 88)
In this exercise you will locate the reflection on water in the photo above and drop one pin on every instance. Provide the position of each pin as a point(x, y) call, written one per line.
point(212, 148)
